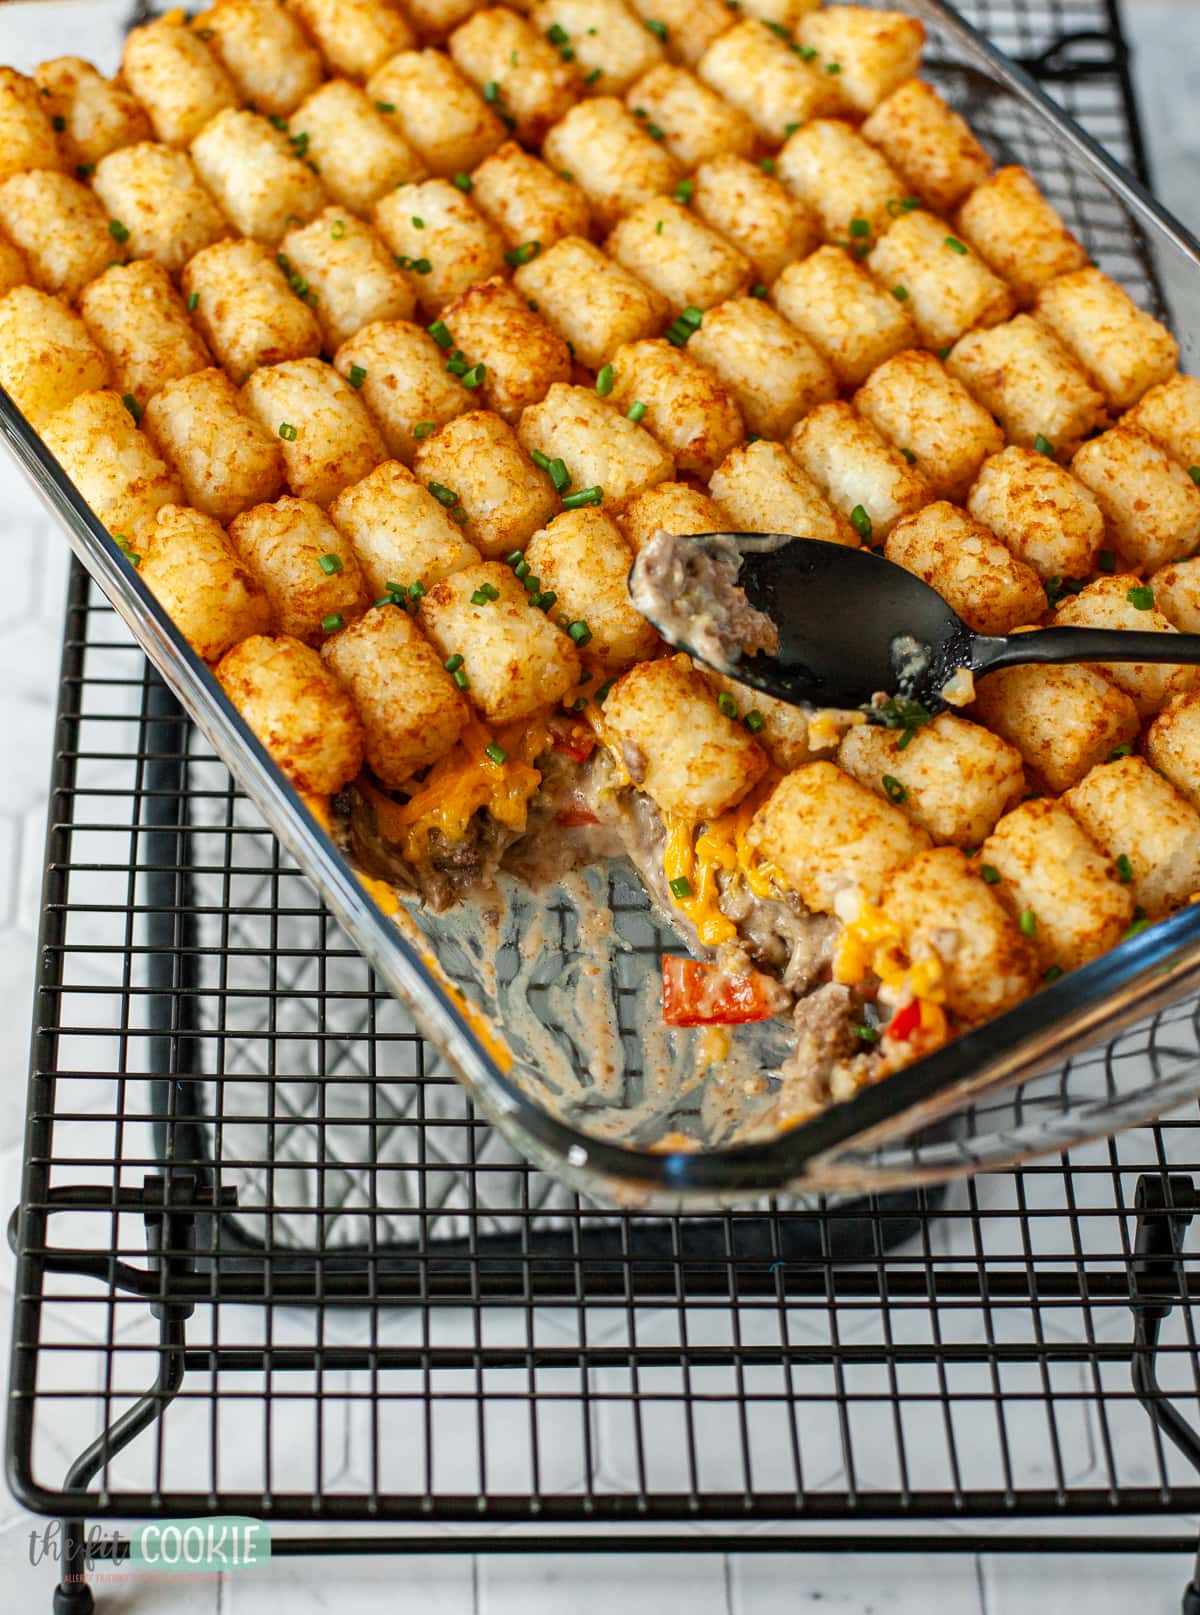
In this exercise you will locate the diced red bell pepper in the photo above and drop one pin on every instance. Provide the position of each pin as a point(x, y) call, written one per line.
point(575, 741)
point(904, 1022)
point(696, 994)
point(574, 818)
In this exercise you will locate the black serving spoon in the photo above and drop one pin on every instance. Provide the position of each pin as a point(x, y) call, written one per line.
point(852, 626)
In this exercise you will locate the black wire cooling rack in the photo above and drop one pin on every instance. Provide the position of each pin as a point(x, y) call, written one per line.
point(271, 1264)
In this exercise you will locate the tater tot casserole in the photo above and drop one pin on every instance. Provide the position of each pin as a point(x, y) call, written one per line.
point(383, 337)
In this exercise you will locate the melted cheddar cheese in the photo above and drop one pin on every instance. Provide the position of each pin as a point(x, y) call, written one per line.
point(870, 941)
point(700, 858)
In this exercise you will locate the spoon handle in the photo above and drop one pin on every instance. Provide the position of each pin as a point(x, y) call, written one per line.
point(1082, 645)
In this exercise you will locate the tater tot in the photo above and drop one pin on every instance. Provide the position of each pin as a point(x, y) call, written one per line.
point(98, 115)
point(504, 496)
point(691, 25)
point(833, 840)
point(225, 460)
point(296, 708)
point(308, 569)
point(111, 463)
point(434, 19)
point(1146, 827)
point(852, 321)
point(667, 247)
point(1170, 414)
point(662, 721)
point(266, 53)
point(139, 319)
point(256, 175)
point(1063, 720)
point(600, 447)
point(189, 563)
point(1023, 375)
point(1173, 744)
point(697, 126)
point(671, 507)
point(1053, 877)
point(754, 211)
point(400, 532)
point(772, 369)
point(848, 186)
point(155, 192)
point(582, 557)
point(1150, 504)
point(517, 69)
point(929, 144)
point(610, 44)
point(444, 239)
point(356, 37)
point(47, 356)
point(761, 489)
point(14, 271)
point(932, 419)
point(953, 777)
point(1123, 349)
point(687, 408)
point(1040, 511)
point(410, 707)
point(1014, 229)
point(949, 289)
point(868, 52)
point(590, 301)
point(612, 157)
point(453, 128)
point(175, 76)
point(1177, 594)
point(243, 306)
point(1124, 602)
point(404, 382)
point(869, 482)
point(946, 912)
point(526, 200)
point(332, 440)
point(758, 73)
point(783, 731)
point(27, 137)
point(522, 356)
point(360, 151)
point(514, 659)
point(61, 228)
point(352, 273)
point(989, 588)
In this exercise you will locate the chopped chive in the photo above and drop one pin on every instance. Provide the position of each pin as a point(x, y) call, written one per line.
point(557, 34)
point(658, 29)
point(337, 229)
point(333, 622)
point(585, 496)
point(893, 789)
point(944, 353)
point(193, 299)
point(491, 91)
point(758, 290)
point(767, 165)
point(465, 183)
point(84, 170)
point(420, 266)
point(132, 405)
point(901, 712)
point(990, 874)
point(514, 557)
point(806, 53)
point(385, 106)
point(542, 461)
point(417, 223)
point(956, 245)
point(453, 664)
point(604, 380)
point(897, 206)
point(496, 753)
point(522, 569)
point(684, 325)
point(1141, 597)
point(1106, 561)
point(861, 523)
point(385, 600)
point(1028, 922)
point(423, 429)
point(288, 432)
point(906, 739)
point(635, 411)
point(356, 376)
point(559, 475)
point(866, 1033)
point(833, 67)
point(117, 230)
point(777, 28)
point(525, 253)
point(480, 597)
point(330, 564)
point(417, 589)
point(1124, 868)
point(900, 293)
point(860, 228)
point(1139, 925)
point(658, 228)
point(460, 678)
point(456, 364)
point(653, 130)
point(545, 601)
point(909, 456)
point(790, 128)
point(474, 376)
point(727, 704)
point(532, 583)
point(1044, 446)
point(681, 887)
point(593, 75)
point(1194, 473)
point(298, 284)
point(754, 721)
point(60, 123)
point(443, 495)
point(1051, 975)
point(579, 632)
point(683, 192)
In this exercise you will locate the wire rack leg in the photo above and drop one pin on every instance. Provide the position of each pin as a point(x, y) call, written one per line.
point(73, 1596)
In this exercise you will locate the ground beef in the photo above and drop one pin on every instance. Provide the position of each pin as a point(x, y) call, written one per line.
point(824, 1023)
point(689, 590)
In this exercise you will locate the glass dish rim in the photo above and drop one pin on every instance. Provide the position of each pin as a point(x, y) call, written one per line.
point(1158, 965)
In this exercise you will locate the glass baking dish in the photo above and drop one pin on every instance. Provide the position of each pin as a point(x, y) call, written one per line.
point(585, 1096)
